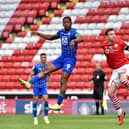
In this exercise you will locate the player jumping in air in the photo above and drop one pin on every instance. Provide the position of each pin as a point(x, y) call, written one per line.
point(40, 88)
point(69, 40)
point(114, 50)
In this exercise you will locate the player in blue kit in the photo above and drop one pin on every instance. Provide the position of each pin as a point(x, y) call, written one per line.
point(40, 88)
point(69, 40)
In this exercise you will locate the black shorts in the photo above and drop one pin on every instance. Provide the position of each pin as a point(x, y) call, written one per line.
point(98, 93)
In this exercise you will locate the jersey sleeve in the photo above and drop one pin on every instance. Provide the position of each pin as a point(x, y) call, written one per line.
point(58, 34)
point(34, 69)
point(104, 77)
point(76, 33)
point(123, 44)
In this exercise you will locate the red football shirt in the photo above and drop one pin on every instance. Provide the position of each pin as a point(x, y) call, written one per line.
point(115, 53)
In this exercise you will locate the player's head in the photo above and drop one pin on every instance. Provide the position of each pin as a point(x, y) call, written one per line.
point(67, 23)
point(43, 58)
point(110, 33)
point(98, 66)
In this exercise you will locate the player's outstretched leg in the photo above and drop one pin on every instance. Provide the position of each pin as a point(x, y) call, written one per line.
point(26, 84)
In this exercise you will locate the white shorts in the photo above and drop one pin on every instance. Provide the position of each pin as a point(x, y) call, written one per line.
point(115, 78)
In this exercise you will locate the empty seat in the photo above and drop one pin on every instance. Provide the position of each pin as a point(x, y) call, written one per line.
point(5, 34)
point(42, 12)
point(30, 20)
point(53, 5)
point(18, 27)
point(46, 20)
point(58, 13)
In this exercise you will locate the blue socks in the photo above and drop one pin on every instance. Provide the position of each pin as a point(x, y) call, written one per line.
point(60, 99)
point(34, 79)
point(46, 109)
point(35, 109)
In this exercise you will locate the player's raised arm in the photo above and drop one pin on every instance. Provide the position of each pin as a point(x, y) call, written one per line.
point(45, 36)
point(78, 39)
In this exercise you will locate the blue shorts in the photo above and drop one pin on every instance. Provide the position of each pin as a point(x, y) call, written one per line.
point(39, 91)
point(67, 64)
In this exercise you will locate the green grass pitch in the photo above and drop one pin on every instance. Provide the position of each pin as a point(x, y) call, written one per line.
point(63, 122)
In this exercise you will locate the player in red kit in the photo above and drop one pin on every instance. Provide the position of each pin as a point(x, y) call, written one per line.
point(114, 50)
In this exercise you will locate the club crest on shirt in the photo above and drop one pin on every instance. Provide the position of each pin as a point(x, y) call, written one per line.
point(116, 45)
point(64, 40)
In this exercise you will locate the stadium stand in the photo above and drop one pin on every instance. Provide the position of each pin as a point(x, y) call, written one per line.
point(19, 52)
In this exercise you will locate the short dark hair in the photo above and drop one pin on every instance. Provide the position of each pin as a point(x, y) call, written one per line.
point(43, 54)
point(67, 17)
point(108, 30)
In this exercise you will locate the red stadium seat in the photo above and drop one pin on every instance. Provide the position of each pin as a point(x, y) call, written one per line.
point(10, 85)
point(18, 27)
point(8, 64)
point(70, 5)
point(9, 40)
point(2, 64)
point(20, 71)
point(34, 27)
point(14, 78)
point(30, 20)
point(35, 6)
point(120, 97)
point(5, 34)
point(8, 28)
point(3, 85)
point(22, 34)
point(44, 5)
point(16, 65)
point(13, 58)
point(5, 78)
point(4, 58)
point(30, 46)
point(58, 13)
point(80, 20)
point(46, 20)
point(11, 71)
point(3, 71)
point(42, 12)
point(53, 5)
point(17, 53)
point(20, 58)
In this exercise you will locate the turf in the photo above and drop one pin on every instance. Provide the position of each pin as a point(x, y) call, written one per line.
point(63, 122)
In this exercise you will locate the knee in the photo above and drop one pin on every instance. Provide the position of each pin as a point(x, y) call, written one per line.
point(43, 73)
point(45, 100)
point(110, 93)
point(35, 101)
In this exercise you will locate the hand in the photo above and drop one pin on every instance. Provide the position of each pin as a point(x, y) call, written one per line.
point(34, 33)
point(72, 44)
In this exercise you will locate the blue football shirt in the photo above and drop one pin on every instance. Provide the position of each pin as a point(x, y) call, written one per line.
point(66, 37)
point(37, 69)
